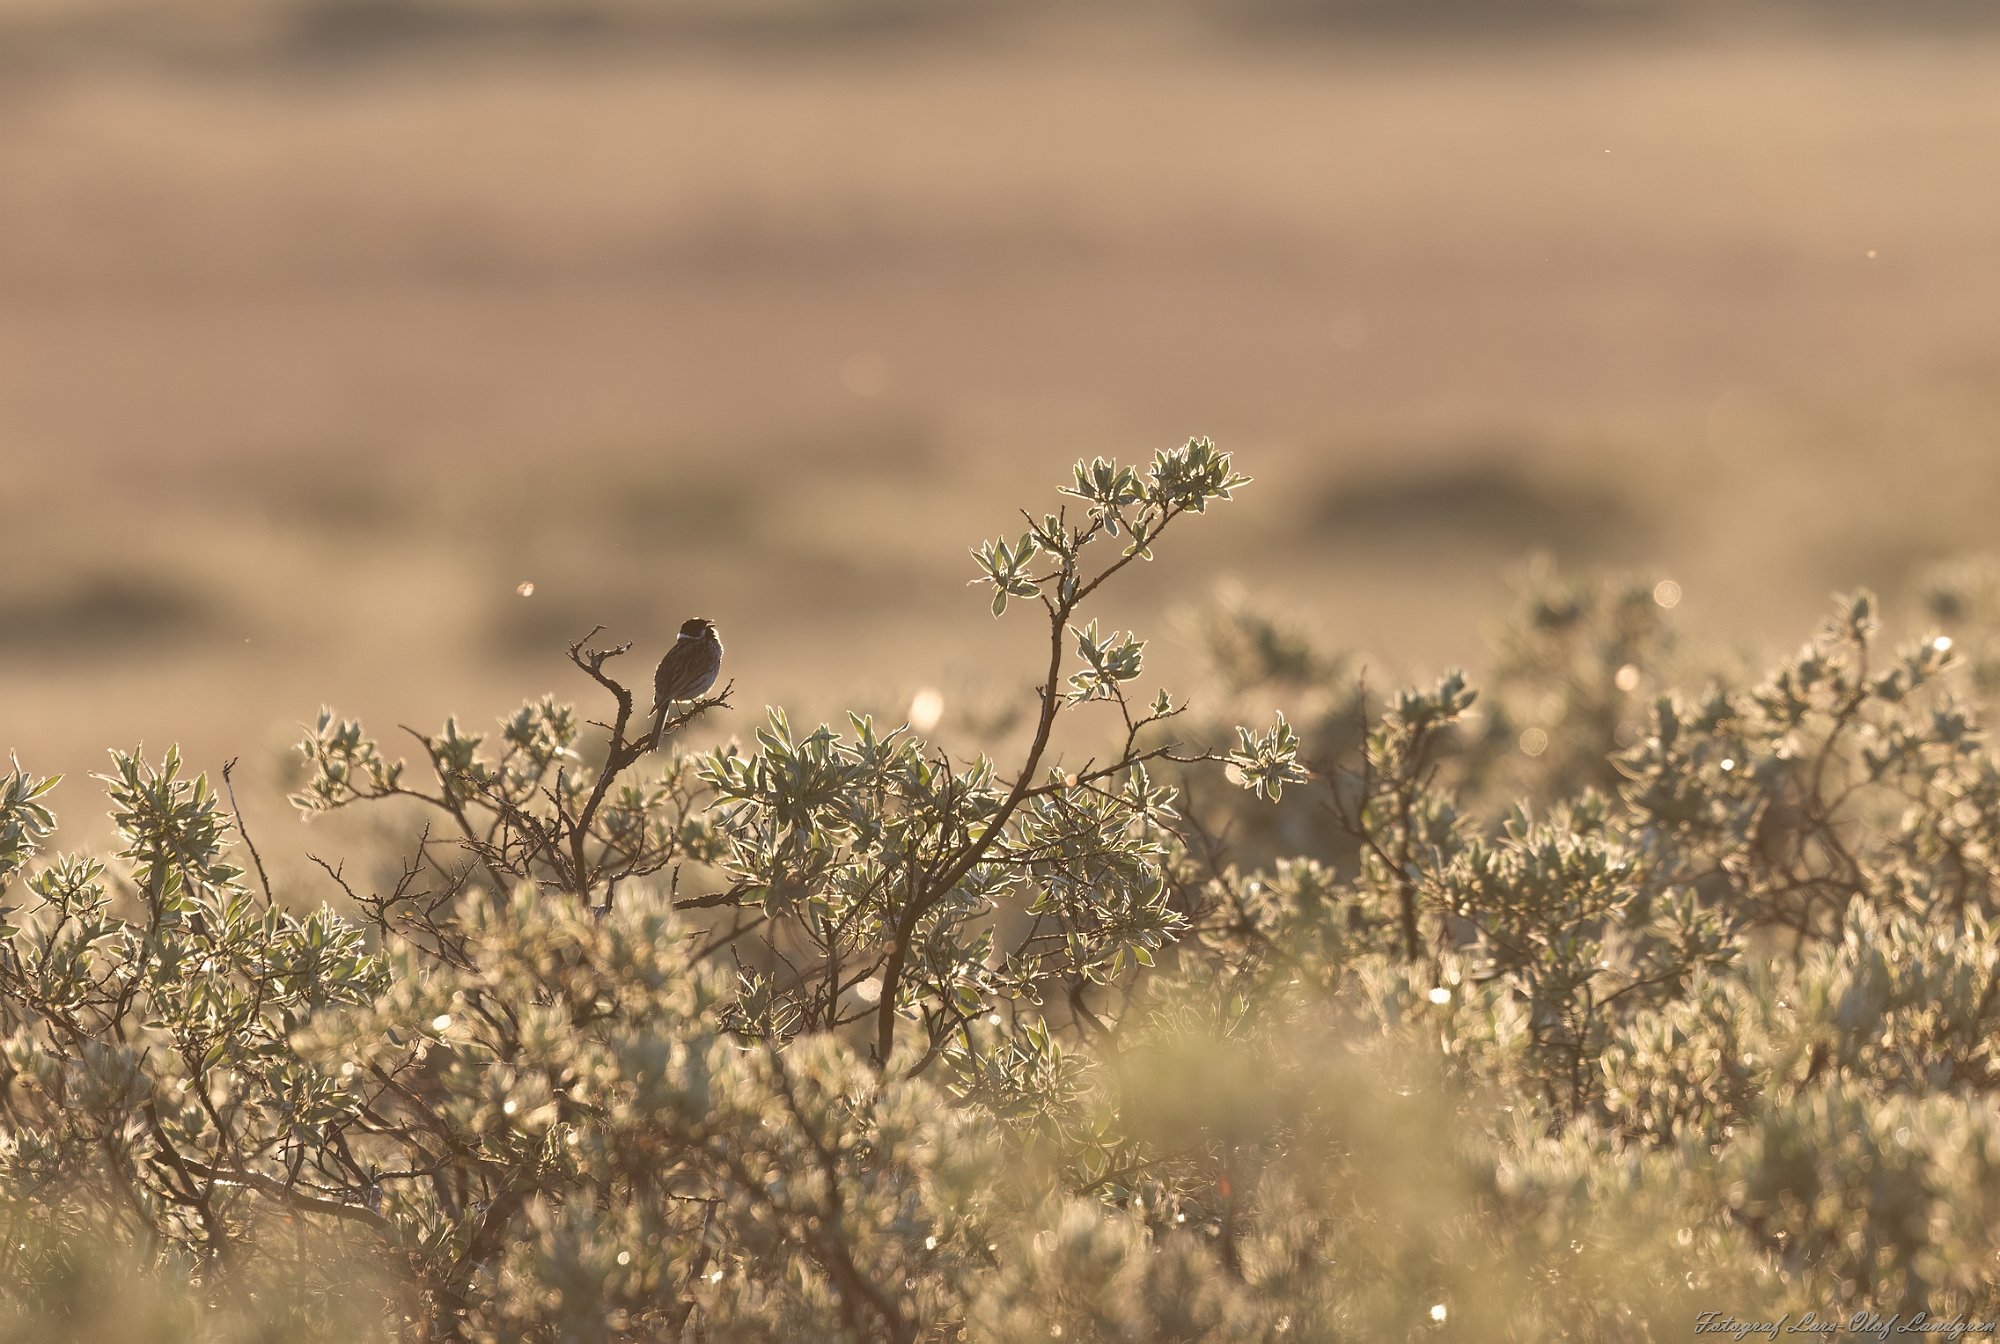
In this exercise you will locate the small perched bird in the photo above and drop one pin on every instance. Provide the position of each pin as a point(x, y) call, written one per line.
point(687, 671)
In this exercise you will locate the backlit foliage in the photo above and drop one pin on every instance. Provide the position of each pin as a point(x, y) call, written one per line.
point(1363, 1023)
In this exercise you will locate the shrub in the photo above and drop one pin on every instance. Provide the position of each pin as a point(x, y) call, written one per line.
point(840, 1036)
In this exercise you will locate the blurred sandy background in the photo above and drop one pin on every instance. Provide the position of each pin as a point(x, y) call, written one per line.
point(324, 327)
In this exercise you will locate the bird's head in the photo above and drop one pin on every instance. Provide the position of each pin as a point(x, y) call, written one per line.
point(698, 627)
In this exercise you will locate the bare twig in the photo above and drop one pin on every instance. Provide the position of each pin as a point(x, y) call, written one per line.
point(243, 829)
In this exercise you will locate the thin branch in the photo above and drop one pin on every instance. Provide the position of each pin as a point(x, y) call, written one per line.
point(242, 829)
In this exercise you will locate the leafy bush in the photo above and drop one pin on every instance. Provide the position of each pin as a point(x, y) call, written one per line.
point(1573, 1014)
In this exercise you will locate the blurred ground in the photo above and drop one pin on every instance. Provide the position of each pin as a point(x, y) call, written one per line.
point(313, 349)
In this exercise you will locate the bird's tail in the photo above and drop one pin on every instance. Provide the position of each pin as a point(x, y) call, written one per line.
point(660, 722)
